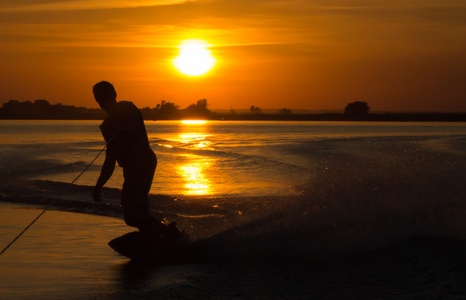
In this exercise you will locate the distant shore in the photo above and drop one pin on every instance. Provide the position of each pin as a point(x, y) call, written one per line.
point(397, 117)
point(42, 110)
point(372, 117)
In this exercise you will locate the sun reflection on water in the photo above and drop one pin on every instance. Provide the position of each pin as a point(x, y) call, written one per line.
point(193, 122)
point(197, 140)
point(194, 135)
point(193, 173)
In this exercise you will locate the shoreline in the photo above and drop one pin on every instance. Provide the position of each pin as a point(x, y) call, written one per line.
point(200, 216)
point(216, 116)
point(45, 192)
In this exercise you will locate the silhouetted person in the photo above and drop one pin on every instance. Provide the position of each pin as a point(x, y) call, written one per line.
point(124, 131)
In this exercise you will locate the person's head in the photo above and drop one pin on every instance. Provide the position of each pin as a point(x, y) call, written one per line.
point(105, 94)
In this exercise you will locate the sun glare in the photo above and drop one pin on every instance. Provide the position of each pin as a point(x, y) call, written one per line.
point(193, 122)
point(194, 58)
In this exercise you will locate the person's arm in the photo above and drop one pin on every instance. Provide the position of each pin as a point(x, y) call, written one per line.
point(107, 170)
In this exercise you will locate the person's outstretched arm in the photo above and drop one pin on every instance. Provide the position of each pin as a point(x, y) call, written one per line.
point(107, 170)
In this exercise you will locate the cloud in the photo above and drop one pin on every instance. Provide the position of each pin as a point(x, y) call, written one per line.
point(26, 6)
point(314, 24)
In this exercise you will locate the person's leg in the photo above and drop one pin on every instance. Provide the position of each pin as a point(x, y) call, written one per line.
point(149, 171)
point(135, 209)
point(138, 180)
point(135, 204)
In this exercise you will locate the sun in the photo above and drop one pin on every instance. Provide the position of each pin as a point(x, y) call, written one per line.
point(194, 58)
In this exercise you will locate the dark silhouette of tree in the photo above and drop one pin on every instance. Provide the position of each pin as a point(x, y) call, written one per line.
point(198, 110)
point(16, 109)
point(166, 110)
point(256, 110)
point(11, 105)
point(41, 103)
point(357, 109)
point(9, 108)
point(42, 109)
point(285, 111)
point(148, 113)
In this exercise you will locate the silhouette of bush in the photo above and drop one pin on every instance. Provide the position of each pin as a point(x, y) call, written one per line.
point(357, 109)
point(285, 111)
point(166, 110)
point(256, 110)
point(198, 110)
point(42, 110)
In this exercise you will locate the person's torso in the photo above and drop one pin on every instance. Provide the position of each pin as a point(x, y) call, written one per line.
point(125, 133)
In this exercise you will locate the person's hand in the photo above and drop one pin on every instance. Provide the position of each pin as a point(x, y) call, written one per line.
point(96, 195)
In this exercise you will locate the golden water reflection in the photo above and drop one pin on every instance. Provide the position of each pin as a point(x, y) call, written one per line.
point(193, 174)
point(194, 135)
point(196, 140)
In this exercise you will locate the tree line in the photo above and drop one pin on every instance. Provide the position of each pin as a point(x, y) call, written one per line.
point(42, 109)
point(165, 110)
point(355, 111)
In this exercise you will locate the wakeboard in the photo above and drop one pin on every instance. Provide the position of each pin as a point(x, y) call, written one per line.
point(155, 249)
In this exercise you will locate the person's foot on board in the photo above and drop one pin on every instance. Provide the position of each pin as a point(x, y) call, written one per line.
point(160, 230)
point(172, 232)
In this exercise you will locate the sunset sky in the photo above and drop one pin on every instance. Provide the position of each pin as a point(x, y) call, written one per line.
point(397, 55)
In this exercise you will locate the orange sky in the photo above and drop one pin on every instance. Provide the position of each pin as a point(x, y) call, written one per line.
point(397, 55)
